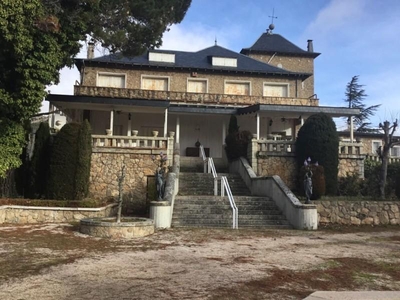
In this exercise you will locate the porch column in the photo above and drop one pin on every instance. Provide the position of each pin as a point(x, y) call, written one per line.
point(178, 127)
point(258, 125)
point(301, 121)
point(112, 121)
point(129, 125)
point(223, 132)
point(351, 129)
point(165, 122)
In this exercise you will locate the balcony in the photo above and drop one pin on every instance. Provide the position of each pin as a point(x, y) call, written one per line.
point(184, 97)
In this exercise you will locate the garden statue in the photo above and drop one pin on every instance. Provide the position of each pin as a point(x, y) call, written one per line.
point(308, 186)
point(160, 184)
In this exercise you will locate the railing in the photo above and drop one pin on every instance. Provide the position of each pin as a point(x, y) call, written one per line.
point(206, 98)
point(209, 167)
point(235, 211)
point(377, 158)
point(354, 148)
point(276, 146)
point(117, 141)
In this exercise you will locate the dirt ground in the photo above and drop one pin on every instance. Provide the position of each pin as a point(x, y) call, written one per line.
point(54, 261)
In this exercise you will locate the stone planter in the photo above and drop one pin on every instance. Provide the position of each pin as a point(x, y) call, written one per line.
point(108, 131)
point(107, 227)
point(155, 133)
point(135, 132)
point(171, 134)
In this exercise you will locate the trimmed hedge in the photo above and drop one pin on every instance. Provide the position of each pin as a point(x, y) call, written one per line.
point(70, 163)
point(318, 139)
point(236, 141)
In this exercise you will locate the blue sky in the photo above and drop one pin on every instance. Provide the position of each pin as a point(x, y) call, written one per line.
point(354, 37)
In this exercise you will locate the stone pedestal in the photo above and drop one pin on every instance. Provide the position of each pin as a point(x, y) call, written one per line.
point(160, 212)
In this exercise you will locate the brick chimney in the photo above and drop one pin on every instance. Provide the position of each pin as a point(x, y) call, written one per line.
point(310, 47)
point(90, 50)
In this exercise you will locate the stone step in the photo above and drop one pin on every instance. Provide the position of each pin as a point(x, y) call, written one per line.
point(228, 216)
point(181, 211)
point(228, 223)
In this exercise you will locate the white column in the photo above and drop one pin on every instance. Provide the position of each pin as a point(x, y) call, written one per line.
point(112, 121)
point(223, 132)
point(165, 122)
point(301, 121)
point(129, 124)
point(351, 129)
point(258, 125)
point(178, 127)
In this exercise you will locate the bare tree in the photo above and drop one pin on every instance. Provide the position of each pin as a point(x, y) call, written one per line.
point(388, 142)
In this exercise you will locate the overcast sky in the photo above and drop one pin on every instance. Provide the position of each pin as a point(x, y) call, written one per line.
point(354, 37)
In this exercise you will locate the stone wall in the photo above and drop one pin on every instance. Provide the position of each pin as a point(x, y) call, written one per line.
point(31, 214)
point(206, 98)
point(216, 82)
point(350, 165)
point(282, 165)
point(358, 212)
point(106, 168)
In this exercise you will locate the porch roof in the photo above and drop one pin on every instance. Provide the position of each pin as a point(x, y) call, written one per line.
point(299, 110)
point(202, 109)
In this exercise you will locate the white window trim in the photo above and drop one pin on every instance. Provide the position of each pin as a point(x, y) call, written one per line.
point(196, 79)
point(372, 145)
point(220, 61)
point(112, 74)
point(161, 57)
point(155, 76)
point(396, 146)
point(237, 81)
point(277, 83)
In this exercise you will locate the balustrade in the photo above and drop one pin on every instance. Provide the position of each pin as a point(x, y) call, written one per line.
point(117, 141)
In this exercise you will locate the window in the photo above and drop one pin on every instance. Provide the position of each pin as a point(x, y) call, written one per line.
point(111, 80)
point(162, 57)
point(237, 88)
point(375, 146)
point(276, 90)
point(155, 83)
point(395, 151)
point(224, 61)
point(197, 85)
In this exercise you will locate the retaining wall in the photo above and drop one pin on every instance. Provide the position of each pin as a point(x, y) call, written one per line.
point(358, 212)
point(31, 214)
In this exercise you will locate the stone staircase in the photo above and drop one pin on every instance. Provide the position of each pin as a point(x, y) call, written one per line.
point(196, 205)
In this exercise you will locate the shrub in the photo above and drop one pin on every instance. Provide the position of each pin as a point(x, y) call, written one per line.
point(40, 162)
point(63, 163)
point(318, 180)
point(350, 185)
point(83, 161)
point(236, 144)
point(318, 139)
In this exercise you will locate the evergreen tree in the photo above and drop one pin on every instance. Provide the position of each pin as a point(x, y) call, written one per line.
point(318, 139)
point(355, 96)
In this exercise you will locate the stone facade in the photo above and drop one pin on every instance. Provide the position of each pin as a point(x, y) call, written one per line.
point(31, 214)
point(106, 167)
point(358, 212)
point(282, 165)
point(203, 98)
point(350, 165)
point(178, 80)
point(292, 63)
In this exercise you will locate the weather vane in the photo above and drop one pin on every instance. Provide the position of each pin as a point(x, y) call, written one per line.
point(272, 26)
point(273, 16)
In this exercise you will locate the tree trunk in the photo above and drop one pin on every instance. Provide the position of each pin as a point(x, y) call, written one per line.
point(382, 177)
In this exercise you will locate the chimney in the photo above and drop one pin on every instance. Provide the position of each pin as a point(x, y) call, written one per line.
point(310, 47)
point(90, 50)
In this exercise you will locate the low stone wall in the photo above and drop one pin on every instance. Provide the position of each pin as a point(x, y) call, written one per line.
point(31, 214)
point(127, 228)
point(350, 165)
point(358, 212)
point(282, 165)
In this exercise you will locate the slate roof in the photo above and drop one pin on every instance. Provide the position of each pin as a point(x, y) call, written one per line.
point(271, 43)
point(194, 61)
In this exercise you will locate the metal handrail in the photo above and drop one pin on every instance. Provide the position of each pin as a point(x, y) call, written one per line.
point(209, 167)
point(235, 212)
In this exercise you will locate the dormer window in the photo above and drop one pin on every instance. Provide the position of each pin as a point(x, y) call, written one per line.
point(162, 57)
point(224, 61)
